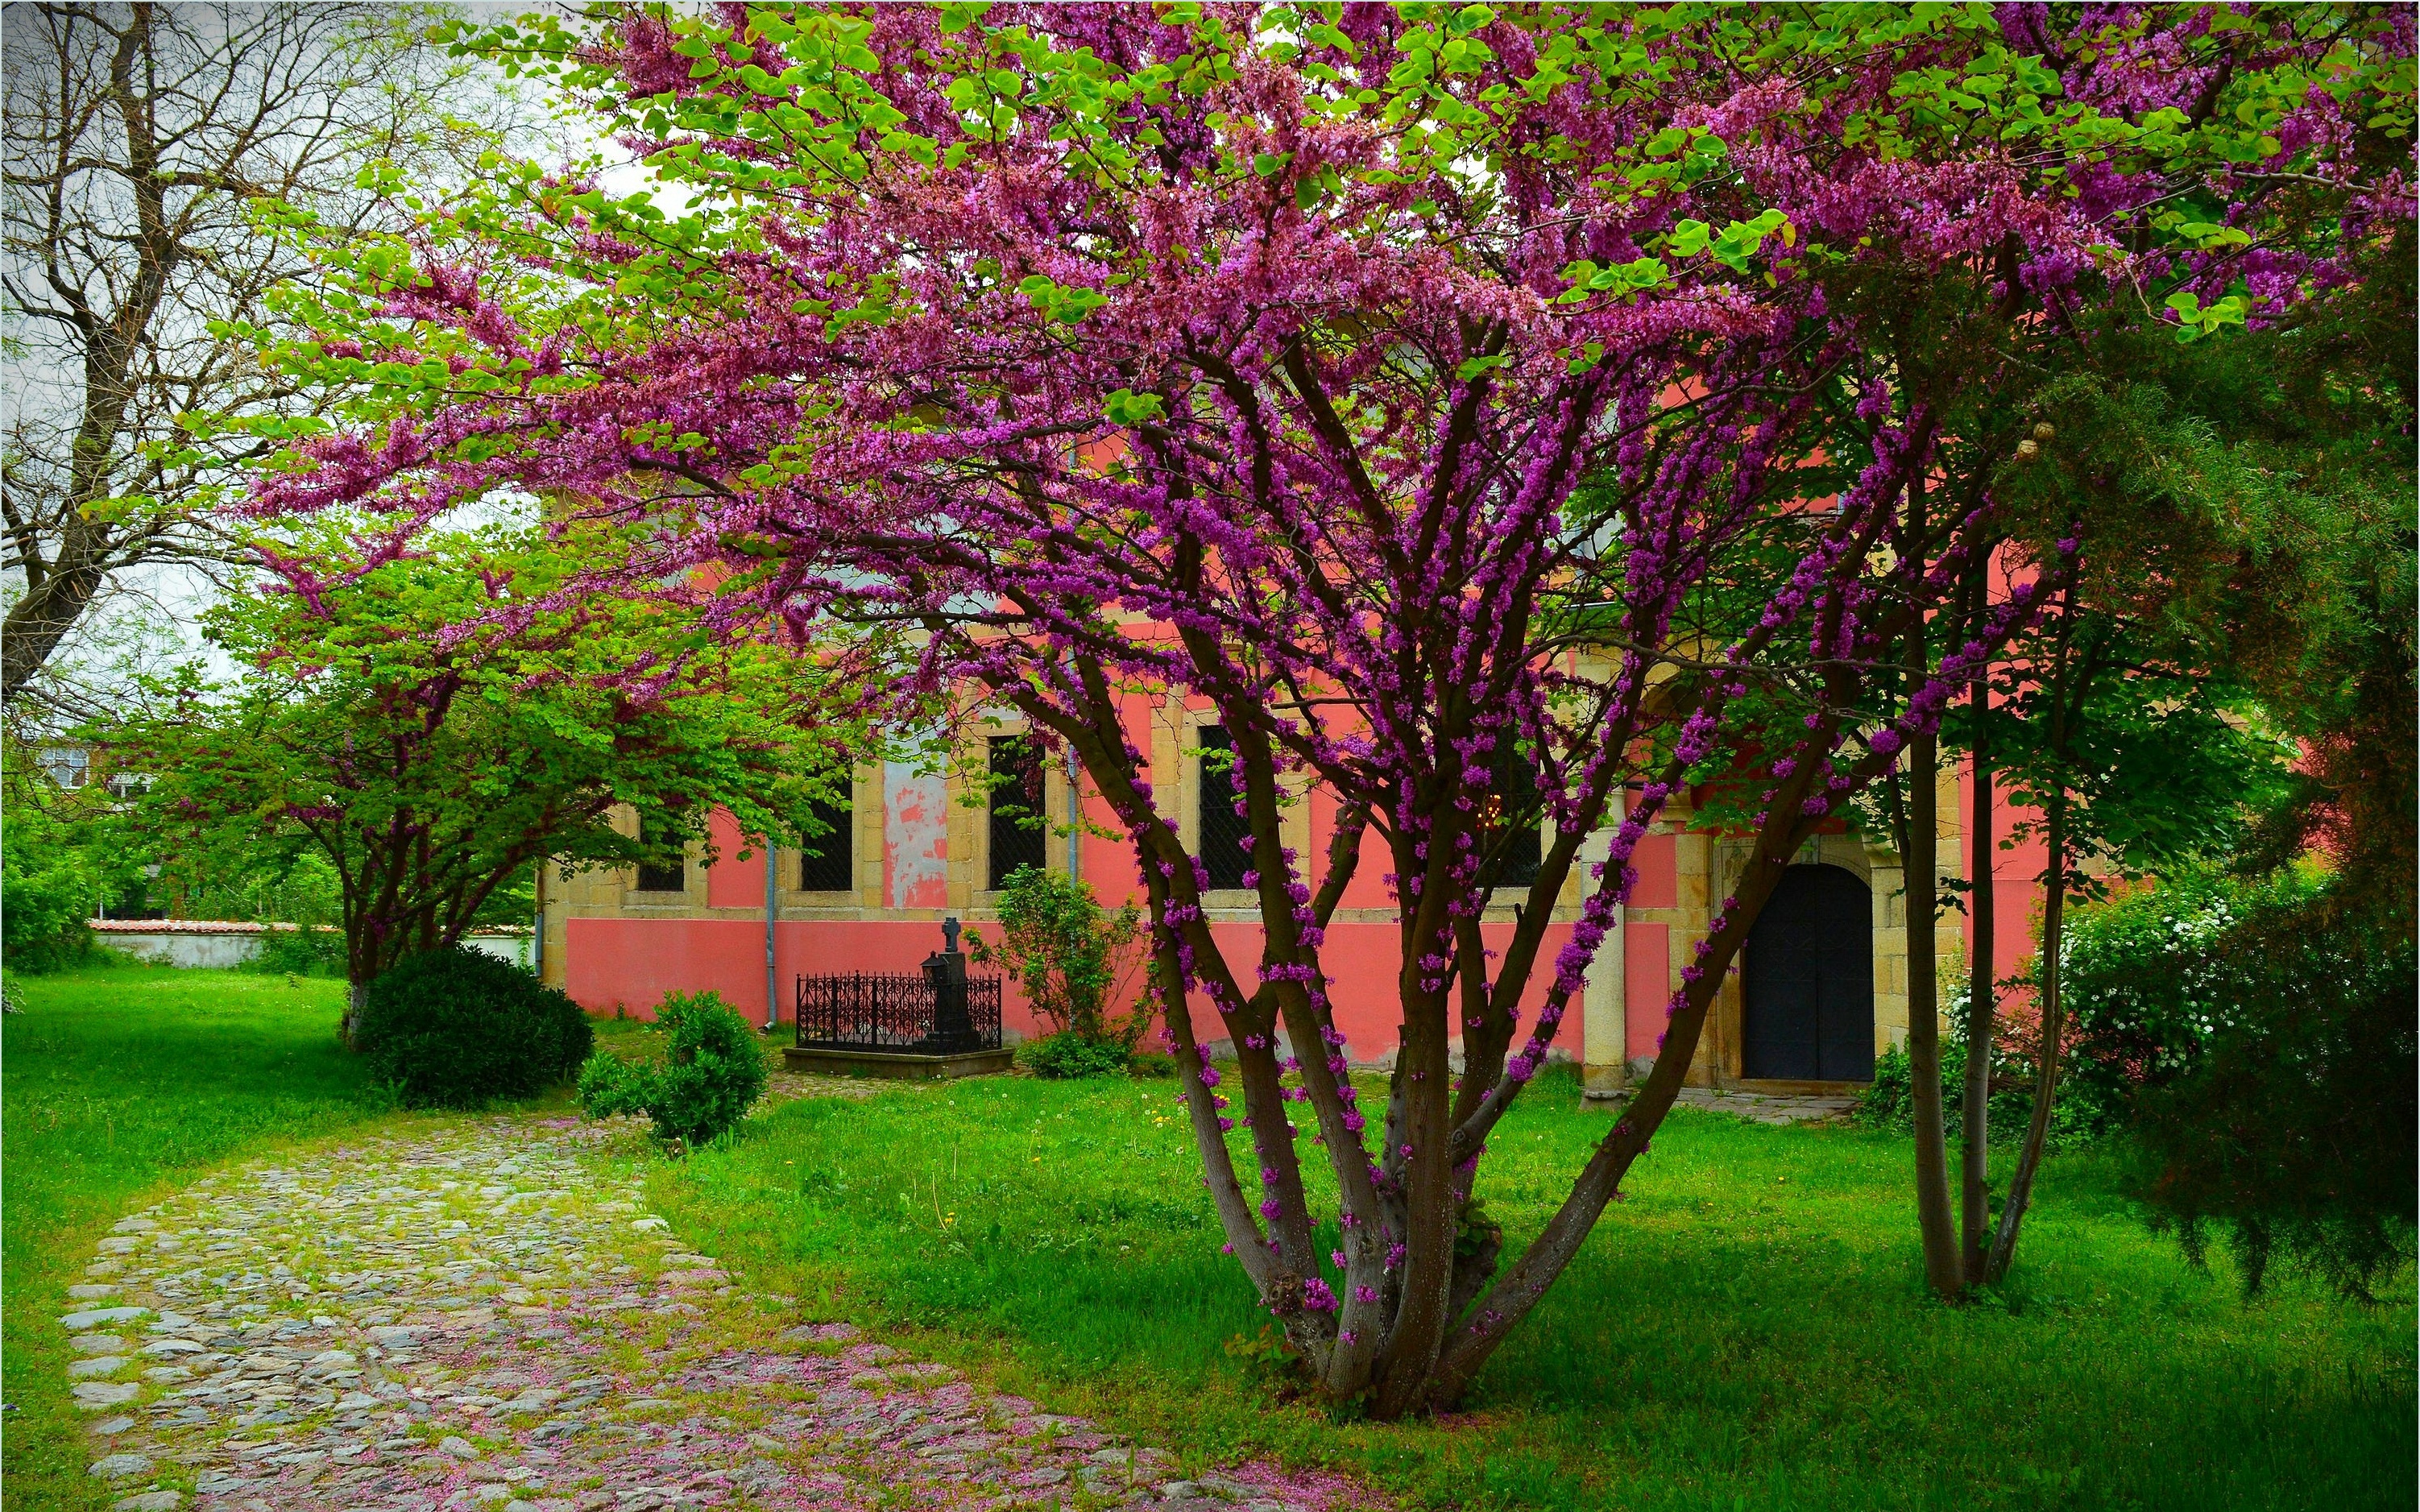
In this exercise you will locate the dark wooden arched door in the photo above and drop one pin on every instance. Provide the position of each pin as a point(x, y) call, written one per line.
point(1807, 1011)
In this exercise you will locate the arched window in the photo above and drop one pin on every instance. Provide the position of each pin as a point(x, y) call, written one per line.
point(1516, 796)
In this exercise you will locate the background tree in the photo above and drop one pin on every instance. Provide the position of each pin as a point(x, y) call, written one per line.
point(2156, 749)
point(2258, 498)
point(2238, 496)
point(439, 726)
point(2115, 719)
point(2130, 761)
point(2114, 725)
point(56, 865)
point(145, 143)
point(1363, 297)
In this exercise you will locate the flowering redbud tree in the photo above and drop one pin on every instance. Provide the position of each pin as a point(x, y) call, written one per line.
point(1416, 385)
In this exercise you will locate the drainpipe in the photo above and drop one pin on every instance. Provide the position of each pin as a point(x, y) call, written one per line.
point(537, 935)
point(1604, 1005)
point(772, 911)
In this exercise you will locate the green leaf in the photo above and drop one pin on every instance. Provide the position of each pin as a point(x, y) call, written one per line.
point(957, 15)
point(1128, 408)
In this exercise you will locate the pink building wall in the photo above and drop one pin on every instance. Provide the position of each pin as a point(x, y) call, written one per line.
point(2016, 873)
point(628, 962)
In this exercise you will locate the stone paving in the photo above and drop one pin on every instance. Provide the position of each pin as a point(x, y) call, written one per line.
point(479, 1314)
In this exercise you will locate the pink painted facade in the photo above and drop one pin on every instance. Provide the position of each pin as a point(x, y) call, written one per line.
point(2016, 885)
point(920, 852)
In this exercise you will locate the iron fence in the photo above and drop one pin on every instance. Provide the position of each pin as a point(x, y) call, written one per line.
point(922, 1014)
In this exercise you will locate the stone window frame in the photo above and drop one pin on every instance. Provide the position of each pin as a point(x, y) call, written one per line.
point(982, 896)
point(1293, 815)
point(865, 798)
point(662, 900)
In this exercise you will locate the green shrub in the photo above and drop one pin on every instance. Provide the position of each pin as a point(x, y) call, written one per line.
point(711, 1074)
point(1074, 959)
point(301, 951)
point(2144, 984)
point(613, 1087)
point(1068, 1055)
point(2078, 1113)
point(49, 883)
point(455, 1028)
point(37, 954)
point(2263, 1032)
point(1888, 1100)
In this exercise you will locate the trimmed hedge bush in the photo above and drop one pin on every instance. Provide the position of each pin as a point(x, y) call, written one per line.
point(711, 1075)
point(1067, 1055)
point(455, 1028)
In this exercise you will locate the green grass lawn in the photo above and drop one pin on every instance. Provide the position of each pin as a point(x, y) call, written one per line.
point(1749, 1330)
point(120, 1086)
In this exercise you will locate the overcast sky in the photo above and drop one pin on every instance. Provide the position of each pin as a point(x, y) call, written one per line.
point(152, 613)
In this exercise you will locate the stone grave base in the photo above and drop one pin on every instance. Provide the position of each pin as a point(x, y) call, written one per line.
point(897, 1065)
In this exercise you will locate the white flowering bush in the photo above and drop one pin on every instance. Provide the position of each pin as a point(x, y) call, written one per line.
point(2150, 982)
point(2077, 1114)
point(2144, 987)
point(2260, 1036)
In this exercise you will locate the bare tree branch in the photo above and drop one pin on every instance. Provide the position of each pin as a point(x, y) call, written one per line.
point(142, 141)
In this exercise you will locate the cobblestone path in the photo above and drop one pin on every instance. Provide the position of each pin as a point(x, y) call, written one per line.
point(479, 1314)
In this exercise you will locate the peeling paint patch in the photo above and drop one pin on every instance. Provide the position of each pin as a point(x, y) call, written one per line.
point(915, 837)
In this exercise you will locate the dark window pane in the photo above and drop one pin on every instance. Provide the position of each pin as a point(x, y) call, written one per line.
point(1524, 849)
point(1224, 836)
point(1016, 838)
point(668, 871)
point(827, 861)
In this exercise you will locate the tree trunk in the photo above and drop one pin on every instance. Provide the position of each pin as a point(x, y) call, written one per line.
point(56, 598)
point(1982, 1003)
point(1519, 1288)
point(2021, 1180)
point(1932, 1214)
point(38, 621)
point(360, 968)
point(357, 996)
point(1409, 1362)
